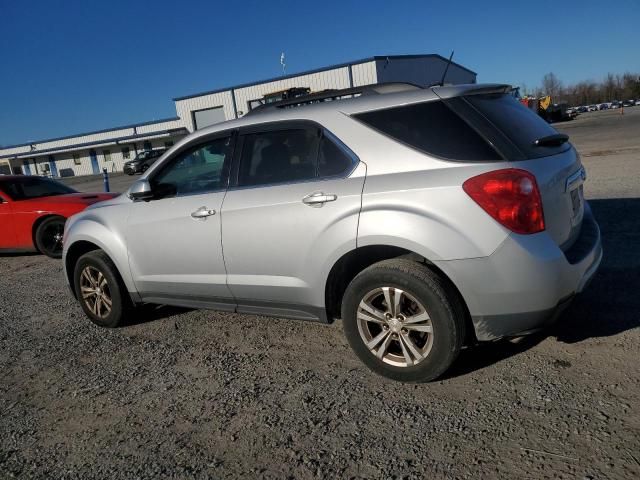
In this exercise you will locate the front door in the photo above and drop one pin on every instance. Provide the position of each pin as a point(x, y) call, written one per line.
point(174, 241)
point(7, 232)
point(293, 210)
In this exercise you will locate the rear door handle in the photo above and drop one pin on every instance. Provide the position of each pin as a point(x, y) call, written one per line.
point(203, 212)
point(318, 199)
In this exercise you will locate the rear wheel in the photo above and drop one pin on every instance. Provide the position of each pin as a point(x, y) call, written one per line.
point(100, 290)
point(49, 236)
point(403, 321)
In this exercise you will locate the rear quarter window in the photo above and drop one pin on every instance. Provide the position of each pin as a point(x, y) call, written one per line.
point(432, 128)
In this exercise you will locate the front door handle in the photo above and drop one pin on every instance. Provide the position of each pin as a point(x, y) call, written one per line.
point(203, 212)
point(318, 199)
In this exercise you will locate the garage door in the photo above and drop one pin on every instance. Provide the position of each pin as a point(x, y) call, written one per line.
point(209, 116)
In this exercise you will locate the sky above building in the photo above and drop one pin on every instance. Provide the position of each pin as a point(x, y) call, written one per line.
point(70, 66)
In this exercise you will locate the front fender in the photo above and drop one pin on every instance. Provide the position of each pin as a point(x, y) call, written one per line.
point(106, 232)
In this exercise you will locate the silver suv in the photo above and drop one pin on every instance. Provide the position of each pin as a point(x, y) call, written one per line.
point(423, 218)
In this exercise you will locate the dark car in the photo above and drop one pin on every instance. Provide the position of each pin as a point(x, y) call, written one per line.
point(628, 103)
point(142, 161)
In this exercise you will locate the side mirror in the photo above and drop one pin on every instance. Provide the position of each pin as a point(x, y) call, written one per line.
point(140, 190)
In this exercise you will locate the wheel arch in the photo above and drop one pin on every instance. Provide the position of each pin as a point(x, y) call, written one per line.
point(345, 269)
point(88, 233)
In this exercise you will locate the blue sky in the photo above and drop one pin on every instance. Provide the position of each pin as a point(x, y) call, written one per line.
point(72, 66)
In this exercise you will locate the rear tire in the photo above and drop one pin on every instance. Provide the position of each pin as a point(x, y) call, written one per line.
point(100, 290)
point(403, 321)
point(49, 236)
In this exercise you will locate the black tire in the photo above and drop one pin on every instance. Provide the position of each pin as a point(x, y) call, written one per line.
point(446, 316)
point(144, 168)
point(98, 261)
point(49, 236)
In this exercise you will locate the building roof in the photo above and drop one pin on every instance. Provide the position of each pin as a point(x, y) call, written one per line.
point(324, 69)
point(94, 132)
point(106, 141)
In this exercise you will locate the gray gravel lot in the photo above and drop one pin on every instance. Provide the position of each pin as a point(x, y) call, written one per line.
point(181, 394)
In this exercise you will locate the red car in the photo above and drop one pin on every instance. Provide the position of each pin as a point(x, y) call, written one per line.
point(33, 211)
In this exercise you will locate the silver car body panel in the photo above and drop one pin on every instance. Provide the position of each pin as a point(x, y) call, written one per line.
point(265, 251)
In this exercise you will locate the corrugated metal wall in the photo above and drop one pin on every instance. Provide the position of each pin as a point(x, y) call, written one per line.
point(421, 71)
point(364, 74)
point(336, 78)
point(188, 105)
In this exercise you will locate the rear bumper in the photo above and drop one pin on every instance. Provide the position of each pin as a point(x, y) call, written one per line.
point(527, 282)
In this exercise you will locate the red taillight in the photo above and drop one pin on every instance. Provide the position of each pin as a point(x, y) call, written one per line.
point(511, 197)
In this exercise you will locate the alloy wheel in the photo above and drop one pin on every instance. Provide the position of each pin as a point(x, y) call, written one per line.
point(95, 292)
point(395, 326)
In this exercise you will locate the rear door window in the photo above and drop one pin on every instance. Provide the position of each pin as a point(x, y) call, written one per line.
point(520, 124)
point(433, 128)
point(280, 156)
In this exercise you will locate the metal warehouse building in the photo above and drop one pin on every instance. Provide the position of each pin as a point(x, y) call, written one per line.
point(88, 153)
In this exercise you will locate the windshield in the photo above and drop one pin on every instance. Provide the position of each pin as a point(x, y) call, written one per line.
point(33, 187)
point(149, 154)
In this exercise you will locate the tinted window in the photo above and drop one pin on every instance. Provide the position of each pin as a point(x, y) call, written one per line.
point(432, 128)
point(33, 187)
point(519, 123)
point(199, 170)
point(279, 156)
point(332, 160)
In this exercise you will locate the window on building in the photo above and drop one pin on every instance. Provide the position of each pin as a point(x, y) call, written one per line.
point(147, 146)
point(107, 155)
point(168, 144)
point(279, 157)
point(44, 168)
point(126, 153)
point(76, 159)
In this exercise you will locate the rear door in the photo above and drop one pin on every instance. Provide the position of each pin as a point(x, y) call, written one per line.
point(174, 242)
point(293, 206)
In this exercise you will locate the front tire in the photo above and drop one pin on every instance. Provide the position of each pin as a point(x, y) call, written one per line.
point(100, 290)
point(403, 321)
point(49, 236)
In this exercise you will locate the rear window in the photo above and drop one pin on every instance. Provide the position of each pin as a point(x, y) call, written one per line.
point(433, 128)
point(520, 124)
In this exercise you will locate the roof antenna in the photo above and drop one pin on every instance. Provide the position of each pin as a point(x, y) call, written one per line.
point(444, 75)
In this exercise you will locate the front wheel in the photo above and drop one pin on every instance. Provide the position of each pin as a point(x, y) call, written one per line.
point(100, 290)
point(49, 236)
point(403, 321)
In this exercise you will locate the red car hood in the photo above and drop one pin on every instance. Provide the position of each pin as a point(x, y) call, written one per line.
point(84, 199)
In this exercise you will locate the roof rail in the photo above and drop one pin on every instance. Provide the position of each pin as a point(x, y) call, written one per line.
point(335, 94)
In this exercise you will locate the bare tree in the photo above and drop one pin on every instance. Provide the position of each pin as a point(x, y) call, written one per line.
point(551, 85)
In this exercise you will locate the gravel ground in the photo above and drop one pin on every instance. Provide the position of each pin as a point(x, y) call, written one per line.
point(197, 394)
